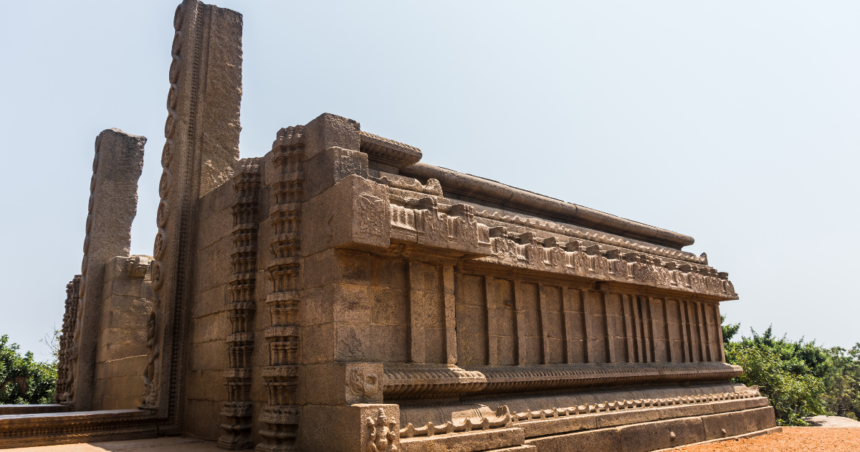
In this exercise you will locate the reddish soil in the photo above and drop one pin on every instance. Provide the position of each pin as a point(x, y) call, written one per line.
point(792, 439)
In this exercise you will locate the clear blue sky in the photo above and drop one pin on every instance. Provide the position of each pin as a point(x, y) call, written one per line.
point(736, 122)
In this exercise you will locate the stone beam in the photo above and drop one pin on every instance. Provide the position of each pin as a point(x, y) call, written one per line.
point(200, 153)
point(113, 203)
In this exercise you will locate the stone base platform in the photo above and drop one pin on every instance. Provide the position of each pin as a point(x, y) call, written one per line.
point(163, 444)
point(25, 430)
point(578, 422)
point(6, 410)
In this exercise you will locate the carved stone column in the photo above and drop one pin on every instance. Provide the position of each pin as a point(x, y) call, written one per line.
point(281, 415)
point(117, 166)
point(238, 410)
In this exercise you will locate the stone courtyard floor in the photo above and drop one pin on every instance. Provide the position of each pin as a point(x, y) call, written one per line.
point(164, 444)
point(792, 439)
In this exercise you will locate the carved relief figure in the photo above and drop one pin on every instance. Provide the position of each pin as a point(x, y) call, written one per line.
point(383, 434)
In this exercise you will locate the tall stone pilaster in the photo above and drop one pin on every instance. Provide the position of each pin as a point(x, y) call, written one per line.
point(200, 153)
point(117, 166)
point(238, 409)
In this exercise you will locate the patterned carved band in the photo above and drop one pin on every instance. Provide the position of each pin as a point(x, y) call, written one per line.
point(423, 381)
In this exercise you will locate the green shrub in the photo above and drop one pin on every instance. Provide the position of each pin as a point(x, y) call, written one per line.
point(23, 380)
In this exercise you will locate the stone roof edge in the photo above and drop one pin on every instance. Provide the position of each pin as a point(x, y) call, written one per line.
point(478, 188)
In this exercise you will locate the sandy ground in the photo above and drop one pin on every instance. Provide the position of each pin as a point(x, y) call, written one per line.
point(792, 439)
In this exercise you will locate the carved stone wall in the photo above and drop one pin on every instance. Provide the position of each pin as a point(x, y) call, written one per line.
point(200, 152)
point(238, 409)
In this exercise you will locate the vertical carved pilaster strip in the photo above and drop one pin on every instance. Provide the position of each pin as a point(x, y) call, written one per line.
point(450, 313)
point(666, 331)
point(522, 348)
point(647, 331)
point(566, 324)
point(492, 339)
point(589, 358)
point(706, 326)
point(690, 331)
point(609, 327)
point(685, 340)
point(238, 409)
point(68, 354)
point(416, 326)
point(628, 327)
point(701, 323)
point(637, 329)
point(281, 414)
point(721, 356)
point(544, 324)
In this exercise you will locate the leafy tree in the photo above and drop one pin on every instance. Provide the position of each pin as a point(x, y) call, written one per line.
point(793, 394)
point(842, 381)
point(23, 380)
point(729, 331)
point(791, 374)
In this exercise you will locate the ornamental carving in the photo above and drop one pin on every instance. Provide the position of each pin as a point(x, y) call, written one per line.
point(362, 384)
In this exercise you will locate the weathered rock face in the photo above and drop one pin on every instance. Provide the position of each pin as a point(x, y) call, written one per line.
point(338, 294)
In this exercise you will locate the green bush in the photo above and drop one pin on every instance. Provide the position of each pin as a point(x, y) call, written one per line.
point(800, 378)
point(38, 380)
point(793, 395)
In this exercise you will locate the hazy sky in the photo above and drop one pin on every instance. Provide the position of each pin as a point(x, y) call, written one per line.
point(736, 122)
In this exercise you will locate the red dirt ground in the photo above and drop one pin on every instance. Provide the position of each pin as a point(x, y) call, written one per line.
point(792, 439)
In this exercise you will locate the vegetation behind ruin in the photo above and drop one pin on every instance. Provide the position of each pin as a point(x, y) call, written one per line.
point(800, 378)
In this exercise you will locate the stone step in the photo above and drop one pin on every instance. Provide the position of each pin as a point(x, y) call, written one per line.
point(475, 441)
point(517, 449)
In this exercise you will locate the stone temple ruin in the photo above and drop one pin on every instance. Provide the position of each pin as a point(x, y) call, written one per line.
point(339, 295)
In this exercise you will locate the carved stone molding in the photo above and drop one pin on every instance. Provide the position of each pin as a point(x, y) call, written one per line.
point(76, 427)
point(426, 221)
point(501, 419)
point(405, 381)
point(579, 258)
point(617, 405)
point(388, 151)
